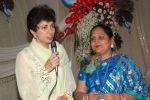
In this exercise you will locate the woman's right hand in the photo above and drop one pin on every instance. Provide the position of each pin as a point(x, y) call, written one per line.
point(93, 95)
point(52, 62)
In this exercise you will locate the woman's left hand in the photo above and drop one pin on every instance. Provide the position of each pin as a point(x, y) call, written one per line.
point(63, 97)
point(110, 96)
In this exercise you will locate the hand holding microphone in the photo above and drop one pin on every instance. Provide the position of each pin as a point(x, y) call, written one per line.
point(53, 61)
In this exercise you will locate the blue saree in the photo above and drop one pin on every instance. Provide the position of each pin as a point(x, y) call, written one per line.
point(117, 74)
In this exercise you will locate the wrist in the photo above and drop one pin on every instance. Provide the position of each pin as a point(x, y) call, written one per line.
point(85, 97)
point(121, 96)
point(48, 68)
point(68, 95)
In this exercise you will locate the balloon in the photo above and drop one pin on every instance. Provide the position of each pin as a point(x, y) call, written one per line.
point(68, 2)
point(5, 10)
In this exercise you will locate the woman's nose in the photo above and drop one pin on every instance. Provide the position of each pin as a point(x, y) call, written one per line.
point(96, 41)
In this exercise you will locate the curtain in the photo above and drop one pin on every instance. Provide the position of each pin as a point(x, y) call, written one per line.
point(142, 25)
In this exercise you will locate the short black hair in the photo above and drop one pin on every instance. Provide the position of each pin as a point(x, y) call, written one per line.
point(39, 13)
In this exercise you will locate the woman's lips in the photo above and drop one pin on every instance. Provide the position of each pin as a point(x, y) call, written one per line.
point(97, 46)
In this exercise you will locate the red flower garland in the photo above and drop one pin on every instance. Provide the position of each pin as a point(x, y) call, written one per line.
point(78, 10)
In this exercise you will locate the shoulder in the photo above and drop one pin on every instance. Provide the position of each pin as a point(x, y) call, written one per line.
point(126, 57)
point(24, 52)
point(127, 61)
point(62, 52)
point(59, 46)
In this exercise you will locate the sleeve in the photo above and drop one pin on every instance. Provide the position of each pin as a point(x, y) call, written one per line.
point(82, 75)
point(85, 68)
point(69, 81)
point(134, 82)
point(30, 86)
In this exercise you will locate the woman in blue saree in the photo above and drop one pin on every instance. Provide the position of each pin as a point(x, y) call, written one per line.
point(108, 75)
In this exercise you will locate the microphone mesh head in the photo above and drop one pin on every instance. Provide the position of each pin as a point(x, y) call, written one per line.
point(53, 46)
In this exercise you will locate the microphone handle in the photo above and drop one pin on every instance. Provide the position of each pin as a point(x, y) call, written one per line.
point(54, 49)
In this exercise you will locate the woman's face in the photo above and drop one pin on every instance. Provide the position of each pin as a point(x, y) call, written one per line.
point(45, 32)
point(100, 42)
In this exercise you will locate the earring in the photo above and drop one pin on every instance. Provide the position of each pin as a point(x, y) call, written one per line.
point(112, 46)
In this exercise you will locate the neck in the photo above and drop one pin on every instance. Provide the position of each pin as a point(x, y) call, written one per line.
point(106, 55)
point(44, 45)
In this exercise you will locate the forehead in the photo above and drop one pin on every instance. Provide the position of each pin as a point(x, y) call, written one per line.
point(44, 22)
point(98, 31)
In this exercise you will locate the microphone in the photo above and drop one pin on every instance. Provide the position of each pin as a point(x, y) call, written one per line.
point(53, 47)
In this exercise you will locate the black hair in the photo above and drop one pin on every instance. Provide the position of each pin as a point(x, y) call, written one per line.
point(117, 39)
point(39, 13)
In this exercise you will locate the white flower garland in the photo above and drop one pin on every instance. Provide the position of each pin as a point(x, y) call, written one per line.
point(83, 34)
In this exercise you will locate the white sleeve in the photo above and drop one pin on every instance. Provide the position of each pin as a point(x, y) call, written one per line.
point(70, 84)
point(30, 86)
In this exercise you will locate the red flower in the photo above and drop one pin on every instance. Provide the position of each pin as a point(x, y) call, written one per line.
point(68, 20)
point(78, 10)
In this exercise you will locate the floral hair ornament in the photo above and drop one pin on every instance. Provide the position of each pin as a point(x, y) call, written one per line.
point(84, 14)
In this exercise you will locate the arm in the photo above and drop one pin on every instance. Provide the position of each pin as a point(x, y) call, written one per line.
point(133, 80)
point(69, 84)
point(30, 85)
point(80, 90)
point(114, 96)
point(80, 93)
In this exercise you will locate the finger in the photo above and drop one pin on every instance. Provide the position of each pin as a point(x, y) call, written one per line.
point(53, 55)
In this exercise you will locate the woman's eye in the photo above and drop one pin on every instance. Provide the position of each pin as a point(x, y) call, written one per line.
point(101, 37)
point(44, 28)
point(92, 39)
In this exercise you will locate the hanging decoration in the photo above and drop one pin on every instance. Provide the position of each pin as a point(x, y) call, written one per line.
point(6, 6)
point(68, 3)
point(84, 14)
